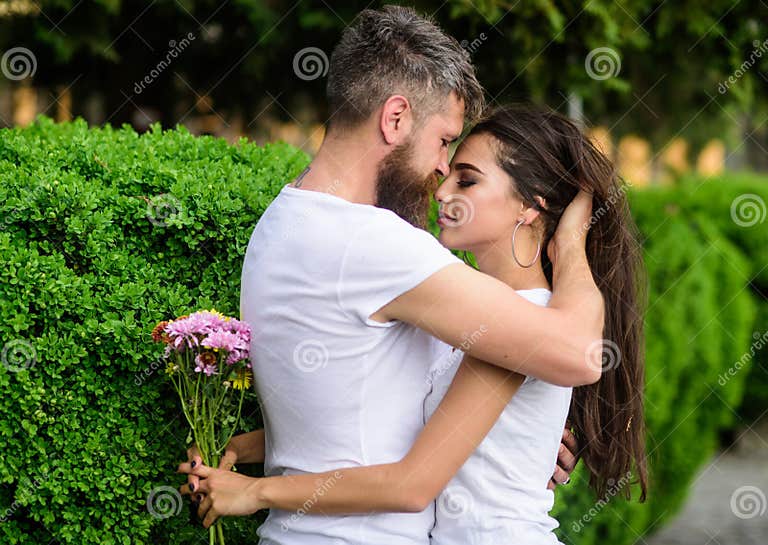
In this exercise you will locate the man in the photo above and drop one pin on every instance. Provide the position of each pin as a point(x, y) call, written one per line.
point(344, 288)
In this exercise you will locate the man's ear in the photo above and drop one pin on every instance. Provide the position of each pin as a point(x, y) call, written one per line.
point(396, 120)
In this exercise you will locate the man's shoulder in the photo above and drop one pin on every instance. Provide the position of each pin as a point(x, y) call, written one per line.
point(386, 225)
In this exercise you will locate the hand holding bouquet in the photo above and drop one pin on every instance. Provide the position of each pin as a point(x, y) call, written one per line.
point(207, 356)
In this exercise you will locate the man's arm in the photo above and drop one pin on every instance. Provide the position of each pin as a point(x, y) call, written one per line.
point(489, 320)
point(246, 448)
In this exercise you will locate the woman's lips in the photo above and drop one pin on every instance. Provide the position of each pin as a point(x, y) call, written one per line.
point(445, 221)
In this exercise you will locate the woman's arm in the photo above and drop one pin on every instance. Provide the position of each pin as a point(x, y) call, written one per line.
point(470, 408)
point(477, 396)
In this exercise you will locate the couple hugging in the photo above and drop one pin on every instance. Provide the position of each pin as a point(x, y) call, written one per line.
point(409, 397)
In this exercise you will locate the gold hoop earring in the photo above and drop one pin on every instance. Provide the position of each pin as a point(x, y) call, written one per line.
point(514, 256)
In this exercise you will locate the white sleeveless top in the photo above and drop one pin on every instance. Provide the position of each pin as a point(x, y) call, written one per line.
point(500, 495)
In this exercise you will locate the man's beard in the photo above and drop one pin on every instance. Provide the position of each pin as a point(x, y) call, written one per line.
point(402, 190)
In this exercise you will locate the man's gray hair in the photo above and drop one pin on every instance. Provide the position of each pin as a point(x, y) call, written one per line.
point(392, 51)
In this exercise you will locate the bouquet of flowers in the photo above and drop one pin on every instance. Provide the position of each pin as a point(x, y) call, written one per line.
point(207, 355)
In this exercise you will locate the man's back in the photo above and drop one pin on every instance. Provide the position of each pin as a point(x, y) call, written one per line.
point(337, 389)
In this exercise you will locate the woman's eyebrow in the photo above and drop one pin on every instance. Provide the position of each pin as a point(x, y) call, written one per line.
point(467, 166)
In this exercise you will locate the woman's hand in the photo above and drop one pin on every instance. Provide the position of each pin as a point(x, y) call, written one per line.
point(573, 226)
point(221, 492)
point(227, 462)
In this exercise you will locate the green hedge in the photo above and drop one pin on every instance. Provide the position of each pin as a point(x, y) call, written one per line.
point(93, 256)
point(725, 194)
point(705, 272)
point(105, 232)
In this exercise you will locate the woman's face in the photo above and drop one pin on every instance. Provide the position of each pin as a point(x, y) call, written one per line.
point(477, 207)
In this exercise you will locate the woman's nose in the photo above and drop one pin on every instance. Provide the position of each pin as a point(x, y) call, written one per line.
point(439, 192)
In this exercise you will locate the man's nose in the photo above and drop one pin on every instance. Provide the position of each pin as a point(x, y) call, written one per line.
point(442, 167)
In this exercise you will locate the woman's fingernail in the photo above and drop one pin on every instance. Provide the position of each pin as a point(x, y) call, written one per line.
point(192, 487)
point(194, 463)
point(200, 498)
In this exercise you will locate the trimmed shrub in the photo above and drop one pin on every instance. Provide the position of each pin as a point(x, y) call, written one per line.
point(745, 198)
point(104, 233)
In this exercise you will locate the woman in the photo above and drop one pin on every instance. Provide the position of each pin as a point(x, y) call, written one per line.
point(495, 434)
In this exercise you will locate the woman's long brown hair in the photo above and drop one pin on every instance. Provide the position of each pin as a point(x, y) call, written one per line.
point(547, 155)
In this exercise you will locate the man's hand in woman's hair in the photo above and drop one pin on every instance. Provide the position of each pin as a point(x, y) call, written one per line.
point(566, 460)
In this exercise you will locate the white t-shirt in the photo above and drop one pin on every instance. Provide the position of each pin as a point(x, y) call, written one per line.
point(336, 388)
point(500, 495)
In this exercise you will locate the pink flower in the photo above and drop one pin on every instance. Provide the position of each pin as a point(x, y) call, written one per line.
point(183, 333)
point(212, 330)
point(241, 328)
point(209, 321)
point(225, 340)
point(235, 356)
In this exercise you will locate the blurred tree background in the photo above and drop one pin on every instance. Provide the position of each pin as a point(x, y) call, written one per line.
point(675, 92)
point(655, 69)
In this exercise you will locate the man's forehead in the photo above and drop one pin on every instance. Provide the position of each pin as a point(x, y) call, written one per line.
point(452, 117)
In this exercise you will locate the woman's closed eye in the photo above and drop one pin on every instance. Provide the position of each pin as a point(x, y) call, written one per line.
point(465, 183)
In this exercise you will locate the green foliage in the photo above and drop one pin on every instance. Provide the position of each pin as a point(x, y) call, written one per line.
point(672, 56)
point(744, 197)
point(703, 268)
point(93, 426)
point(94, 255)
